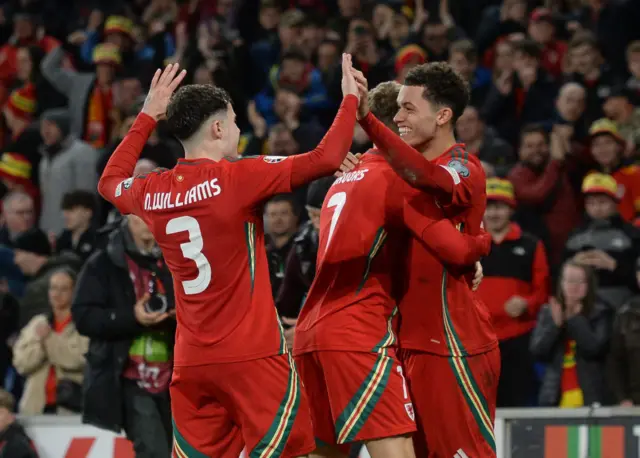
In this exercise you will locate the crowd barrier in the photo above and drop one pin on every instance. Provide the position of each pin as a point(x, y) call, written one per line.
point(601, 432)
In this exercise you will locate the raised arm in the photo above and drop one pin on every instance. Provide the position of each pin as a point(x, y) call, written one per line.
point(409, 163)
point(117, 175)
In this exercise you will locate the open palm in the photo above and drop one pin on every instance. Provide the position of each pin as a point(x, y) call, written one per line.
point(163, 84)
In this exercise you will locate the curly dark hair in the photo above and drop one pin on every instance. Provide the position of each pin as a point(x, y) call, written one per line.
point(443, 86)
point(383, 102)
point(192, 105)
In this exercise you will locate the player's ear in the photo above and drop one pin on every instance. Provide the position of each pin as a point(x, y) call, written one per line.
point(443, 116)
point(216, 129)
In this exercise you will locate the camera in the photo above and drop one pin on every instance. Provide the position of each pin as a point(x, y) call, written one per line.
point(157, 301)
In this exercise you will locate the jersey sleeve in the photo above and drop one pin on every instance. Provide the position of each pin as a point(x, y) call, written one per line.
point(419, 213)
point(468, 177)
point(408, 162)
point(117, 185)
point(263, 176)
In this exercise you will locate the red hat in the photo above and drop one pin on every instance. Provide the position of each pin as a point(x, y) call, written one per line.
point(541, 14)
point(22, 102)
point(16, 168)
point(408, 54)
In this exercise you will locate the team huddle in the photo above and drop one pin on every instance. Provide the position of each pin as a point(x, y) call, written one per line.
point(392, 348)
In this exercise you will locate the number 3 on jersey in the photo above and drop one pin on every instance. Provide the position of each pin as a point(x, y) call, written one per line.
point(192, 250)
point(337, 200)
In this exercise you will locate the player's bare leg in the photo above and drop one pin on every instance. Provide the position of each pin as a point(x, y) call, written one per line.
point(328, 451)
point(391, 447)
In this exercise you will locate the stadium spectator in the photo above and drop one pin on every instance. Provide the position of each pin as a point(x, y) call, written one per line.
point(14, 442)
point(515, 286)
point(619, 108)
point(9, 309)
point(570, 106)
point(542, 30)
point(67, 164)
point(300, 267)
point(463, 57)
point(633, 67)
point(281, 222)
point(78, 209)
point(90, 94)
point(605, 242)
point(522, 97)
point(607, 149)
point(571, 336)
point(50, 353)
point(130, 350)
point(622, 373)
point(483, 141)
point(547, 203)
point(585, 67)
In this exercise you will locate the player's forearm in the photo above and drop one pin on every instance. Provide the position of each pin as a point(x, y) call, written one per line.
point(326, 158)
point(407, 161)
point(454, 248)
point(123, 160)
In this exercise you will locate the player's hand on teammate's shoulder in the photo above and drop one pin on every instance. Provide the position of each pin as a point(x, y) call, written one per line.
point(349, 86)
point(144, 317)
point(350, 162)
point(163, 84)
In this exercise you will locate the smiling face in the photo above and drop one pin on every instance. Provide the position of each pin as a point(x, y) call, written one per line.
point(416, 118)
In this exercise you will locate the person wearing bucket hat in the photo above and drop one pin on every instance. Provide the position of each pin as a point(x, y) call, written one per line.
point(90, 95)
point(607, 146)
point(19, 109)
point(515, 286)
point(605, 241)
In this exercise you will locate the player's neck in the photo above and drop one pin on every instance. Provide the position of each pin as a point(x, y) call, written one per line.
point(204, 150)
point(438, 145)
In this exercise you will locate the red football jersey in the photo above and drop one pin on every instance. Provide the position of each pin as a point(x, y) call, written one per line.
point(207, 219)
point(366, 220)
point(440, 313)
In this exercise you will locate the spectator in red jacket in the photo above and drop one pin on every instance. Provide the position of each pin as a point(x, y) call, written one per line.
point(515, 286)
point(548, 205)
point(543, 31)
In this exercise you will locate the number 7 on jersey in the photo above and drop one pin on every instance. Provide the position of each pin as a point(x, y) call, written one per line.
point(337, 200)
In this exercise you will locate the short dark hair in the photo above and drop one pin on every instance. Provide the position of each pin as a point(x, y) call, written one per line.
point(192, 105)
point(528, 47)
point(79, 198)
point(465, 47)
point(289, 198)
point(534, 128)
point(294, 54)
point(383, 102)
point(442, 85)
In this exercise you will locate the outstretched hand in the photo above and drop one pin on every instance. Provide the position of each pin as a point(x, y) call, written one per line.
point(363, 90)
point(349, 85)
point(163, 84)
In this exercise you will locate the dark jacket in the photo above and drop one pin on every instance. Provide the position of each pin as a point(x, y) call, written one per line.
point(592, 338)
point(508, 113)
point(103, 311)
point(14, 443)
point(621, 241)
point(299, 271)
point(623, 371)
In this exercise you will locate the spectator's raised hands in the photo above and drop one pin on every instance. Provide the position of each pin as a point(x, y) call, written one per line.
point(162, 87)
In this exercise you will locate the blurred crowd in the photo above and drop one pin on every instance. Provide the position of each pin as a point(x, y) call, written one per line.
point(554, 116)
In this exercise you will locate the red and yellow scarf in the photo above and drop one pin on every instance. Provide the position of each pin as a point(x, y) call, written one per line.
point(98, 125)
